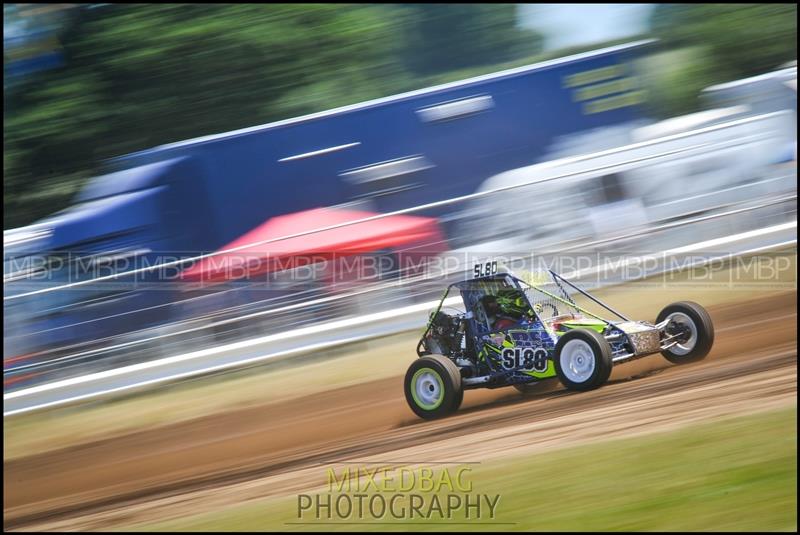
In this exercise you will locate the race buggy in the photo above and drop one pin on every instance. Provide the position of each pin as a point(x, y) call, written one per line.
point(508, 332)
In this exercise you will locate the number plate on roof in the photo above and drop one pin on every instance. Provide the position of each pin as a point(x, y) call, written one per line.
point(485, 269)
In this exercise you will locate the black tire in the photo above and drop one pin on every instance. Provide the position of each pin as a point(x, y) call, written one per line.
point(441, 373)
point(458, 400)
point(599, 352)
point(703, 332)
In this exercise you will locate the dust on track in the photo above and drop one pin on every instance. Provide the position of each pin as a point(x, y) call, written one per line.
point(279, 447)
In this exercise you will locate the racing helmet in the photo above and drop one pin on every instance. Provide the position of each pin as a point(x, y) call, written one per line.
point(512, 302)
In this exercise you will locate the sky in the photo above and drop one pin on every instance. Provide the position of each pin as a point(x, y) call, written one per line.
point(566, 25)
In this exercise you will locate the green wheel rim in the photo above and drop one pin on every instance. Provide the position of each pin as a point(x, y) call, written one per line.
point(427, 389)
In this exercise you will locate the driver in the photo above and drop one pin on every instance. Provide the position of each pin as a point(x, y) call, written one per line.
point(498, 318)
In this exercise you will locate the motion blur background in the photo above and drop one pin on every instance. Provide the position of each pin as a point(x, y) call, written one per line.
point(84, 83)
point(144, 135)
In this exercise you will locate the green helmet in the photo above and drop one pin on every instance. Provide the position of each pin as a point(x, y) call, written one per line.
point(512, 302)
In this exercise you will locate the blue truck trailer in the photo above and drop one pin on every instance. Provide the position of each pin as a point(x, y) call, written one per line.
point(190, 197)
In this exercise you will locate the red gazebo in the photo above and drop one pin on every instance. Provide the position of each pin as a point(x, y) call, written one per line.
point(408, 237)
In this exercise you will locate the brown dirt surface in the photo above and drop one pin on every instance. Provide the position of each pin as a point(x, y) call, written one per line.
point(278, 448)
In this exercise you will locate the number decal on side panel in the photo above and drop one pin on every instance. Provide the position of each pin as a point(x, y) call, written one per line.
point(509, 359)
point(525, 359)
point(540, 360)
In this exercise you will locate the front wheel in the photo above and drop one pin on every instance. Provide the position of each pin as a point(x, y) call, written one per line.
point(433, 387)
point(694, 329)
point(583, 360)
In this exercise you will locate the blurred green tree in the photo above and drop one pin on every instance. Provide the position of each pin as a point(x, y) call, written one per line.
point(444, 37)
point(730, 41)
point(742, 39)
point(137, 76)
point(141, 75)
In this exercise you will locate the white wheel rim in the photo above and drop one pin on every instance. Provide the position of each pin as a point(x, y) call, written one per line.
point(577, 361)
point(428, 389)
point(686, 346)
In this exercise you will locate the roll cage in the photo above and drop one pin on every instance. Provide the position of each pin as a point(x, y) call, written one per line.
point(542, 300)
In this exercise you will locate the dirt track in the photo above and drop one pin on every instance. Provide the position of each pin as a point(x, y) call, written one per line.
point(278, 448)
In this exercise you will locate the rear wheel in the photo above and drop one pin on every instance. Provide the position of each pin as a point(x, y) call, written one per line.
point(583, 360)
point(433, 387)
point(693, 325)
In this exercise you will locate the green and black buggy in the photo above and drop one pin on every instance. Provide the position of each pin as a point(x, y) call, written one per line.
point(502, 331)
